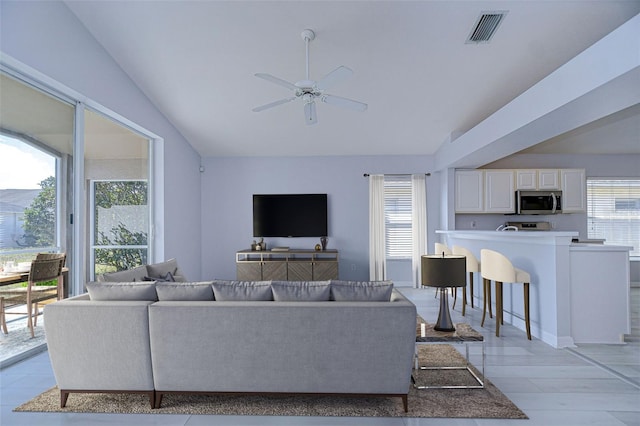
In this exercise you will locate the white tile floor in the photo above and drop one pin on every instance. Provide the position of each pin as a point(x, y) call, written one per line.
point(553, 387)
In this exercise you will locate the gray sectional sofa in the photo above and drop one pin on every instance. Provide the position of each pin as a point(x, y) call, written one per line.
point(321, 337)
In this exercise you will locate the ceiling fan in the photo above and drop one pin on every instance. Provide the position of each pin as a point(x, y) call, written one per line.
point(310, 90)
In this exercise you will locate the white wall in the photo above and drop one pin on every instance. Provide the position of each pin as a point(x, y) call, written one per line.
point(46, 36)
point(229, 183)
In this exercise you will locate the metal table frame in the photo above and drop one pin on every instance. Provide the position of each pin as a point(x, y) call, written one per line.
point(449, 338)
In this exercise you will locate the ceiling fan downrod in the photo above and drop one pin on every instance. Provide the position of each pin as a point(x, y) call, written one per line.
point(307, 36)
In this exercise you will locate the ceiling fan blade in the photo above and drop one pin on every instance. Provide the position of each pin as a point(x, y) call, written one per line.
point(334, 77)
point(273, 104)
point(344, 102)
point(310, 116)
point(276, 80)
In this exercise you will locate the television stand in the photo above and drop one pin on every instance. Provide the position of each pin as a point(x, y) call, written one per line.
point(288, 265)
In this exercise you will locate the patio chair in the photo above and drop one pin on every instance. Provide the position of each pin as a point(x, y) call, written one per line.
point(46, 267)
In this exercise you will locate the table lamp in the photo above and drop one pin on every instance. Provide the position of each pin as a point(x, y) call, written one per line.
point(444, 271)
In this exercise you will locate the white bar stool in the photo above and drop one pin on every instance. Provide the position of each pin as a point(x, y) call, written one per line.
point(473, 266)
point(496, 267)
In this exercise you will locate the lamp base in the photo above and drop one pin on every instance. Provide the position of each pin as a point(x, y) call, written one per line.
point(444, 322)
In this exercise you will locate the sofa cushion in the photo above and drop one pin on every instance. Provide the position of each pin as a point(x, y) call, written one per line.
point(301, 291)
point(122, 291)
point(161, 269)
point(361, 291)
point(242, 290)
point(185, 291)
point(130, 275)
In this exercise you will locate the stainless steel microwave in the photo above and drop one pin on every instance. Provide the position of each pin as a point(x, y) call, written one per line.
point(538, 202)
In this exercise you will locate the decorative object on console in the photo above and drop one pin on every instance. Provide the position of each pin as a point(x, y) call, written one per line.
point(324, 241)
point(309, 90)
point(444, 271)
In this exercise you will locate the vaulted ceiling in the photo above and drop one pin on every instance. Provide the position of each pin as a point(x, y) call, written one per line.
point(196, 61)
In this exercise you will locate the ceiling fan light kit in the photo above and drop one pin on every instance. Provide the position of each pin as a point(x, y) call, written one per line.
point(309, 90)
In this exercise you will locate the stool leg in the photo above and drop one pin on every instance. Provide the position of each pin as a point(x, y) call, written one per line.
point(484, 304)
point(454, 293)
point(464, 300)
point(526, 310)
point(498, 307)
point(471, 287)
point(489, 299)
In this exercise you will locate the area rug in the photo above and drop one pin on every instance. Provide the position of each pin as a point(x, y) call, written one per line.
point(448, 403)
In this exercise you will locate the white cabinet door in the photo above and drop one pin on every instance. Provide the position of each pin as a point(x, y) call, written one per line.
point(469, 194)
point(499, 191)
point(574, 190)
point(548, 179)
point(527, 179)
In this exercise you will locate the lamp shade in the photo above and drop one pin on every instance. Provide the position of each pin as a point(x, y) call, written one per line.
point(444, 270)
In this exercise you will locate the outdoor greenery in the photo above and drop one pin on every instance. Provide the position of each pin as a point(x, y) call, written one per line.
point(40, 223)
point(120, 193)
point(40, 217)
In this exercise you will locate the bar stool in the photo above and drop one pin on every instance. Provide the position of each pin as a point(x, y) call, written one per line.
point(472, 266)
point(496, 267)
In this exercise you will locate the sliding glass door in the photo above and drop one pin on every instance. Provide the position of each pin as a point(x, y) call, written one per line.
point(116, 169)
point(90, 177)
point(36, 146)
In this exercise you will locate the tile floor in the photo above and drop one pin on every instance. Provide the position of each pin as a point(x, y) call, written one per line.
point(553, 387)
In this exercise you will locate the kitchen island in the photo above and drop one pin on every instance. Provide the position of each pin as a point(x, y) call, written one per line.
point(579, 292)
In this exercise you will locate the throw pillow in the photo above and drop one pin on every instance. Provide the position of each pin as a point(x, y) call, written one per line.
point(242, 290)
point(166, 278)
point(160, 269)
point(122, 291)
point(361, 291)
point(185, 291)
point(301, 291)
point(130, 275)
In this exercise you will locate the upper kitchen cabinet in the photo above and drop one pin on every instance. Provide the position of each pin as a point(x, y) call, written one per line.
point(469, 191)
point(493, 190)
point(548, 179)
point(499, 191)
point(537, 179)
point(574, 190)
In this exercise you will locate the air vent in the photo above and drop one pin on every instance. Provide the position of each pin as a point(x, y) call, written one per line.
point(486, 26)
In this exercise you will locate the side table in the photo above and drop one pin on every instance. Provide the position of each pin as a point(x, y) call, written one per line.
point(464, 334)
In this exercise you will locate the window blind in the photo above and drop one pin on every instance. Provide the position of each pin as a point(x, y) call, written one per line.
point(613, 211)
point(397, 216)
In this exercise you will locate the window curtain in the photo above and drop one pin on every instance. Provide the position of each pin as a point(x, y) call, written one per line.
point(377, 259)
point(418, 225)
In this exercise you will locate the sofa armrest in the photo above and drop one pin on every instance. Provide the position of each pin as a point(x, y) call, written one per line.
point(99, 345)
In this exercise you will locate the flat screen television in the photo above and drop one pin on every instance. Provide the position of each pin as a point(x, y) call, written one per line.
point(290, 215)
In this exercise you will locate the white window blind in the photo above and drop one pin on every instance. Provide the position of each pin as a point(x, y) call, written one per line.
point(397, 217)
point(613, 211)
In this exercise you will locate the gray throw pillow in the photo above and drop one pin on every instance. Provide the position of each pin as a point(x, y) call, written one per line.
point(127, 276)
point(185, 291)
point(160, 269)
point(122, 291)
point(361, 291)
point(242, 290)
point(301, 291)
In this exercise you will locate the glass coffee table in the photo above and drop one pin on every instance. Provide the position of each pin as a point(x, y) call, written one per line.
point(464, 334)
